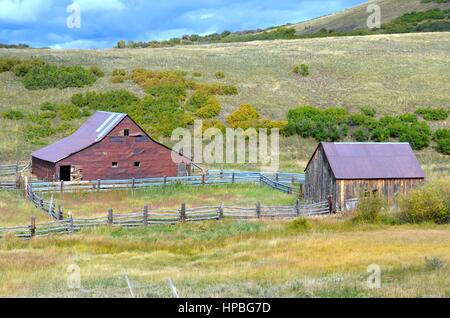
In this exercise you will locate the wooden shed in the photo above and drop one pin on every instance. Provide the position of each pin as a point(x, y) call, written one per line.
point(108, 146)
point(343, 170)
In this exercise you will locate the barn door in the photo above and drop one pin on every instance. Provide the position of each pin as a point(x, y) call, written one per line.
point(182, 170)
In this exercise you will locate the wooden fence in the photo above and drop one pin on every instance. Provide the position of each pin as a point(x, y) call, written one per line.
point(148, 216)
point(224, 177)
point(12, 169)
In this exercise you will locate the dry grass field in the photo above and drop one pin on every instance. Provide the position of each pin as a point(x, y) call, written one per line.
point(234, 259)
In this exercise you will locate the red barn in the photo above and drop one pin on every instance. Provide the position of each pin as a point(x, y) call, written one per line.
point(107, 146)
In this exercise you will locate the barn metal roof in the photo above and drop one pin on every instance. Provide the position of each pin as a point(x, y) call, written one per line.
point(372, 160)
point(91, 132)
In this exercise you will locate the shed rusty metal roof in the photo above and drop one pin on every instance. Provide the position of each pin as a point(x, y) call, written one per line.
point(372, 160)
point(91, 132)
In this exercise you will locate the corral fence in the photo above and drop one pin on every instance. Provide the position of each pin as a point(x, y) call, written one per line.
point(285, 182)
point(148, 216)
point(13, 169)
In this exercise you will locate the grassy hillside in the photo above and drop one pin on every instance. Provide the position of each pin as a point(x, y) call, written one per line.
point(394, 74)
point(356, 17)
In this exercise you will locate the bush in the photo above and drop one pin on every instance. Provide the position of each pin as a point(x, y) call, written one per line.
point(49, 76)
point(245, 116)
point(426, 204)
point(188, 119)
point(115, 101)
point(418, 135)
point(219, 75)
point(299, 224)
point(51, 107)
point(408, 118)
point(40, 128)
point(23, 67)
point(368, 111)
point(361, 134)
point(6, 64)
point(369, 207)
point(69, 112)
point(272, 124)
point(302, 69)
point(433, 114)
point(442, 139)
point(442, 133)
point(380, 134)
point(97, 71)
point(47, 114)
point(211, 109)
point(177, 92)
point(217, 89)
point(119, 72)
point(13, 114)
point(117, 79)
point(213, 123)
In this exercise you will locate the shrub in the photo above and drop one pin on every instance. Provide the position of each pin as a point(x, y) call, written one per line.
point(368, 111)
point(147, 79)
point(219, 75)
point(426, 204)
point(408, 118)
point(6, 64)
point(116, 79)
point(380, 134)
point(442, 133)
point(119, 72)
point(299, 224)
point(361, 134)
point(51, 107)
point(116, 101)
point(361, 120)
point(245, 116)
point(302, 69)
point(47, 114)
point(69, 112)
point(418, 135)
point(97, 71)
point(443, 146)
point(13, 114)
point(40, 128)
point(272, 124)
point(369, 207)
point(178, 92)
point(23, 67)
point(213, 123)
point(217, 89)
point(188, 119)
point(49, 76)
point(211, 109)
point(433, 114)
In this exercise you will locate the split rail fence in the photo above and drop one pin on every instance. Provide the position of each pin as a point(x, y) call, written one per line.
point(12, 169)
point(148, 217)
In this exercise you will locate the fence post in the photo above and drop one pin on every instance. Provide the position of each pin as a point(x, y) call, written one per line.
point(70, 224)
point(110, 217)
point(18, 180)
point(33, 226)
point(133, 183)
point(232, 177)
point(146, 215)
point(258, 209)
point(183, 212)
point(330, 204)
point(27, 194)
point(61, 186)
point(297, 207)
point(203, 179)
point(277, 177)
point(221, 211)
point(301, 192)
point(60, 212)
point(99, 184)
point(165, 180)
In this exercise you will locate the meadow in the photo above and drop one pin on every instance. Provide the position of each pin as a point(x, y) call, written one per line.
point(327, 258)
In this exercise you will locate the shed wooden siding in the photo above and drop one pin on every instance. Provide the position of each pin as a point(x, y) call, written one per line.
point(96, 161)
point(319, 178)
point(43, 169)
point(389, 188)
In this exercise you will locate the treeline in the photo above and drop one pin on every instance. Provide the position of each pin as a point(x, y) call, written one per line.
point(434, 20)
point(14, 46)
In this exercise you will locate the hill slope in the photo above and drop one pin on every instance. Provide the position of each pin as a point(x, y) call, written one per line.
point(356, 17)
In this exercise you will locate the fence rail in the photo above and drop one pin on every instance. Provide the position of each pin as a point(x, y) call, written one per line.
point(12, 169)
point(223, 177)
point(148, 217)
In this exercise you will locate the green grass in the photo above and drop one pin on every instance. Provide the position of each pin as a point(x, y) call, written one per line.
point(233, 259)
point(87, 204)
point(16, 210)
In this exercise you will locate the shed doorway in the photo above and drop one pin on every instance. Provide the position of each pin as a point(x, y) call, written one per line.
point(65, 173)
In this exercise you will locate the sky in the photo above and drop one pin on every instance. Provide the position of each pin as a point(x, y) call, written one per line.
point(101, 23)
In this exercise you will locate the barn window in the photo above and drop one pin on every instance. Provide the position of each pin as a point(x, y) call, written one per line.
point(115, 164)
point(137, 163)
point(126, 132)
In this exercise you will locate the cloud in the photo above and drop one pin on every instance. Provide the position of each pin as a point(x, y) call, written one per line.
point(100, 5)
point(22, 10)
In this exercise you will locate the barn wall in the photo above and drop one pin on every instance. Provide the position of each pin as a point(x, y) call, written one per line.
point(42, 169)
point(389, 188)
point(95, 162)
point(319, 178)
